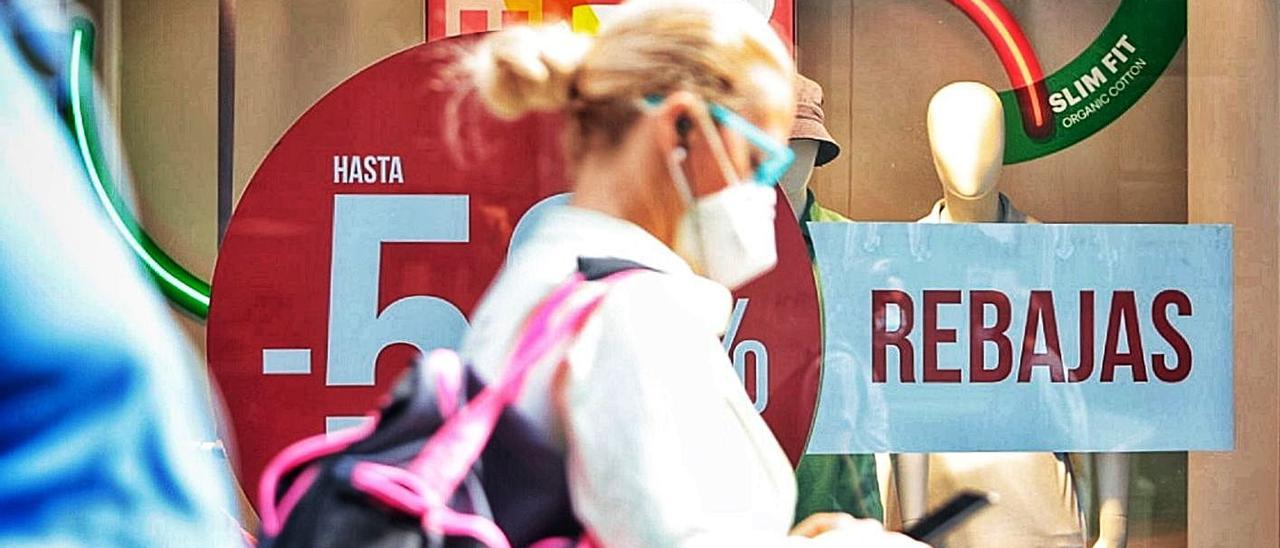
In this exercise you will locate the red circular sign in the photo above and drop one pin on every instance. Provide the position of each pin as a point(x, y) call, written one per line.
point(362, 238)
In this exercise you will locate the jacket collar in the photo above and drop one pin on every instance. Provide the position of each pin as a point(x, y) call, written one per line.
point(597, 234)
point(1008, 213)
point(590, 233)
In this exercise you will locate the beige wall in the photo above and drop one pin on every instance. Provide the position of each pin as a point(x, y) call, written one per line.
point(169, 125)
point(881, 61)
point(1234, 122)
point(289, 54)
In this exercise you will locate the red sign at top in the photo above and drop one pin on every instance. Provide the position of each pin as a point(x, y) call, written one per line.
point(449, 18)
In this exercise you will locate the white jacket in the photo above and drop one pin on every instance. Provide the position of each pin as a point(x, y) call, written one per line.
point(664, 448)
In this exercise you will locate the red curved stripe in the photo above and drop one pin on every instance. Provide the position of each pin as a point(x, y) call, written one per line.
point(1018, 59)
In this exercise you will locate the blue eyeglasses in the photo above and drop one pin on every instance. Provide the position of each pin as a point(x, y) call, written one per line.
point(778, 157)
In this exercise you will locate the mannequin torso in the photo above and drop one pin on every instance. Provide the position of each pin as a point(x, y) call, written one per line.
point(1039, 506)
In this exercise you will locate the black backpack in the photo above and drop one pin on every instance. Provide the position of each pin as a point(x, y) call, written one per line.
point(447, 461)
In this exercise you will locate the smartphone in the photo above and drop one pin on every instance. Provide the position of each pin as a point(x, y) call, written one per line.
point(941, 521)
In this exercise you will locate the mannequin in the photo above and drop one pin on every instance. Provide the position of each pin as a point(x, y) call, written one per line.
point(966, 134)
point(814, 147)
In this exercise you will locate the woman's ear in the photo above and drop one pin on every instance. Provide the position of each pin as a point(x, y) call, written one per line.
point(672, 120)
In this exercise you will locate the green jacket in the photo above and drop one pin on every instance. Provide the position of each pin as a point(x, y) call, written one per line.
point(834, 483)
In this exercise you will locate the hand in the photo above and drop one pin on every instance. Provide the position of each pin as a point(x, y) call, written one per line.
point(846, 530)
point(818, 524)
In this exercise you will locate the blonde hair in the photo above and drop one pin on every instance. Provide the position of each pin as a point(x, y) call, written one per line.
point(713, 48)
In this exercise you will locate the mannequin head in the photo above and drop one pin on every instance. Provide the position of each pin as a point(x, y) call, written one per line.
point(795, 184)
point(966, 135)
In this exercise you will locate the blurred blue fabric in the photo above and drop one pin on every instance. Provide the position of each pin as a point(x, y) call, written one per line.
point(101, 414)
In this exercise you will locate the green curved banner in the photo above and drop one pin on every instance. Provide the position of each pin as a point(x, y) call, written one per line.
point(1105, 80)
point(177, 283)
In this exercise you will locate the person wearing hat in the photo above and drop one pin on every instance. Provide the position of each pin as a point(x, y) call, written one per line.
point(814, 147)
point(826, 483)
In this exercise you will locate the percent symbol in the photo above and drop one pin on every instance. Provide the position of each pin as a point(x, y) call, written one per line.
point(749, 347)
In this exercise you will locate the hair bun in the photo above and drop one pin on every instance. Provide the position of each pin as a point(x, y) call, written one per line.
point(524, 69)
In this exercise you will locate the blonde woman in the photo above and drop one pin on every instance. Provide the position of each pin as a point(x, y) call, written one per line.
point(677, 115)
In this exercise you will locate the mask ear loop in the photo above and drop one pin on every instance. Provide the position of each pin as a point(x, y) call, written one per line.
point(704, 122)
point(675, 164)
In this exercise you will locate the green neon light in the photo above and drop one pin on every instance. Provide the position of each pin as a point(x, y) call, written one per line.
point(180, 285)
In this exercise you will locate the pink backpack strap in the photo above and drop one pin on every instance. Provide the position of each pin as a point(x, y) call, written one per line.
point(447, 457)
point(399, 489)
point(307, 450)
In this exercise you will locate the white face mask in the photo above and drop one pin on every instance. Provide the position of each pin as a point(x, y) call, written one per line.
point(727, 236)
